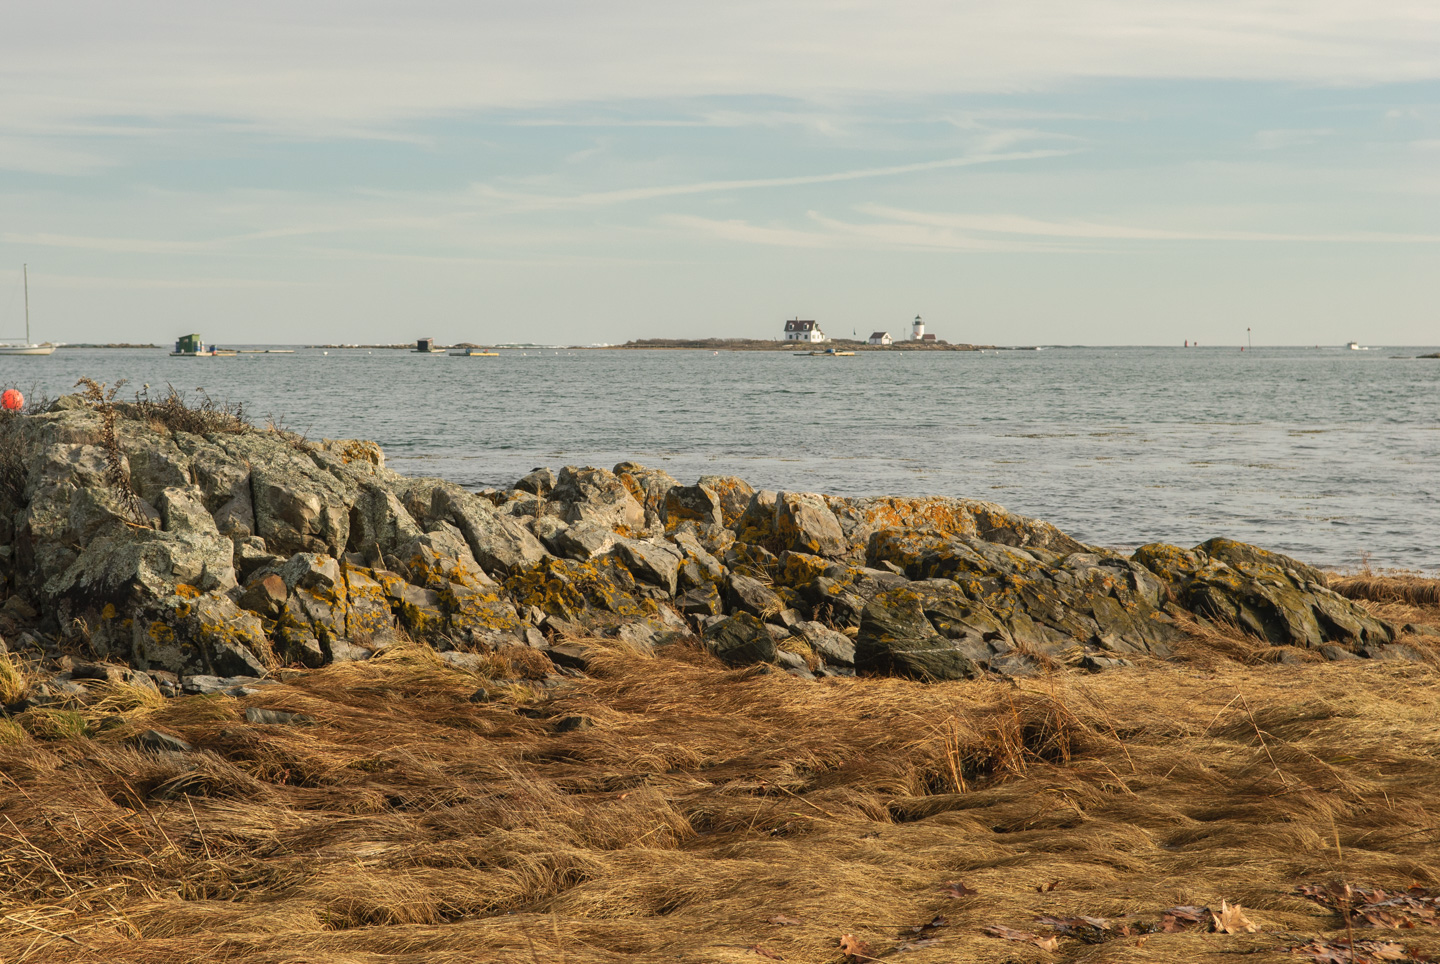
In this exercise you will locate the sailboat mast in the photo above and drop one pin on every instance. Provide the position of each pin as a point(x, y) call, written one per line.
point(25, 271)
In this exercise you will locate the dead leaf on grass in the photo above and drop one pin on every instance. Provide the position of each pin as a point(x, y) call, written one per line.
point(1232, 920)
point(764, 952)
point(784, 921)
point(1374, 907)
point(1046, 888)
point(1363, 952)
point(1023, 937)
point(1183, 918)
point(856, 949)
point(957, 890)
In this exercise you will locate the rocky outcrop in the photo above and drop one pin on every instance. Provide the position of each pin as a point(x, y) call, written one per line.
point(226, 554)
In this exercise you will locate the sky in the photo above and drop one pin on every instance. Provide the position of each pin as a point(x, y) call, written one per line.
point(577, 172)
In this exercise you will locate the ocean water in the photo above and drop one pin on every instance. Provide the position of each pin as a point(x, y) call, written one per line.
point(1327, 454)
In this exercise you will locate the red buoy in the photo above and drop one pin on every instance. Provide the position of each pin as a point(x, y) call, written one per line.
point(12, 400)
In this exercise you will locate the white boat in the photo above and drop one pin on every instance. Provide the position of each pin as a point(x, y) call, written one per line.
point(1356, 346)
point(28, 348)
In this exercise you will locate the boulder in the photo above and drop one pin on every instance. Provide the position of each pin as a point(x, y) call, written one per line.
point(859, 518)
point(701, 601)
point(836, 649)
point(595, 495)
point(1267, 595)
point(740, 640)
point(895, 637)
point(498, 543)
point(539, 482)
point(379, 519)
point(692, 503)
point(1243, 556)
point(204, 634)
point(756, 525)
point(733, 493)
point(804, 523)
point(649, 487)
point(655, 562)
point(265, 596)
point(368, 613)
point(752, 596)
point(584, 540)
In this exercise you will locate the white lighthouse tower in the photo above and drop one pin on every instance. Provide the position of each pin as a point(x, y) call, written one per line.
point(917, 329)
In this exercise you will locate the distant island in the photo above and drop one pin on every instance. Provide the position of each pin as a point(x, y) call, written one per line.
point(112, 344)
point(766, 344)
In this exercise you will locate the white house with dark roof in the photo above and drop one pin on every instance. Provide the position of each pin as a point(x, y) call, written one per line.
point(880, 338)
point(808, 331)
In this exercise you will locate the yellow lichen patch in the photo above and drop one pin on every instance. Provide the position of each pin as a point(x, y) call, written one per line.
point(186, 591)
point(734, 495)
point(109, 612)
point(420, 620)
point(478, 611)
point(160, 633)
point(944, 515)
point(801, 568)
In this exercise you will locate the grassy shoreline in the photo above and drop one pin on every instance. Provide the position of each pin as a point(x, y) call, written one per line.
point(668, 809)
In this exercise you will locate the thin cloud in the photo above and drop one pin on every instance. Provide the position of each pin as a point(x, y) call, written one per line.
point(1090, 230)
point(833, 233)
point(86, 281)
point(628, 195)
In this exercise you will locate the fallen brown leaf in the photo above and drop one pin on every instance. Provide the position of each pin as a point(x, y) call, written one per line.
point(784, 921)
point(1046, 888)
point(1182, 918)
point(1024, 937)
point(1362, 952)
point(1375, 907)
point(856, 949)
point(957, 890)
point(1232, 920)
point(763, 952)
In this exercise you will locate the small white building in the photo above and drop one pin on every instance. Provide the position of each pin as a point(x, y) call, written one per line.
point(917, 330)
point(808, 331)
point(881, 338)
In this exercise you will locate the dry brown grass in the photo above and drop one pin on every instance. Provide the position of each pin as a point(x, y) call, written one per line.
point(14, 678)
point(1412, 590)
point(699, 804)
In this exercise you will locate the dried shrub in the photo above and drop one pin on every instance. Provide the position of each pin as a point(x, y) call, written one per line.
point(117, 475)
point(177, 412)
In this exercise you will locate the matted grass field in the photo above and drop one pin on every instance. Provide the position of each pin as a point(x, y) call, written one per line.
point(668, 809)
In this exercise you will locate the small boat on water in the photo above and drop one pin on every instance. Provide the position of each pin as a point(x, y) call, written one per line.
point(474, 353)
point(1356, 346)
point(192, 346)
point(827, 353)
point(28, 347)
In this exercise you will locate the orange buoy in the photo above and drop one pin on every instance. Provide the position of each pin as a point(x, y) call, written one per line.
point(12, 400)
